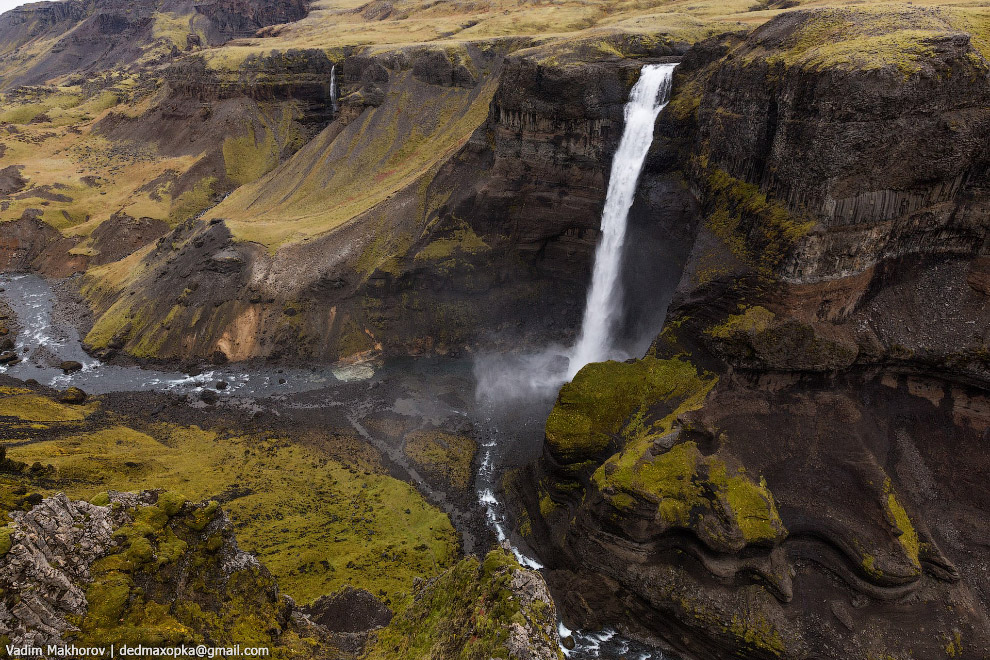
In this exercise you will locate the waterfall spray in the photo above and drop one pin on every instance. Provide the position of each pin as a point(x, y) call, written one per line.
point(648, 97)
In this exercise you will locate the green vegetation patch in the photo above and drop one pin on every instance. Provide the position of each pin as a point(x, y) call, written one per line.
point(864, 38)
point(339, 176)
point(693, 491)
point(597, 404)
point(448, 455)
point(757, 230)
point(463, 240)
point(164, 584)
point(752, 320)
point(38, 408)
point(907, 534)
point(316, 524)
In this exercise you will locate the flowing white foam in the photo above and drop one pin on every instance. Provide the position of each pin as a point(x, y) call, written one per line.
point(648, 97)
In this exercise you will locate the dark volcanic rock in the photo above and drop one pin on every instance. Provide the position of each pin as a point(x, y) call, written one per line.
point(68, 366)
point(11, 180)
point(72, 395)
point(121, 235)
point(95, 35)
point(349, 611)
point(819, 500)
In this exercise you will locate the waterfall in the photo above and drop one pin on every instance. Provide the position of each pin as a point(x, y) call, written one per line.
point(333, 88)
point(648, 97)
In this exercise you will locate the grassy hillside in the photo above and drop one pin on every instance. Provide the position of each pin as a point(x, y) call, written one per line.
point(336, 177)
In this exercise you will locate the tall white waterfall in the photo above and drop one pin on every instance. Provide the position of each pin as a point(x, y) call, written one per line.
point(648, 97)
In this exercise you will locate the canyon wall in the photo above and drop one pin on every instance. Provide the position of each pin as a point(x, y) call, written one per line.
point(792, 469)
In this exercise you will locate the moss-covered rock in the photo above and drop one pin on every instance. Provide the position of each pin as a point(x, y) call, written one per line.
point(609, 403)
point(133, 571)
point(477, 610)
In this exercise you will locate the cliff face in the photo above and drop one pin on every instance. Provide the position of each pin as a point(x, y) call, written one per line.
point(783, 474)
point(465, 236)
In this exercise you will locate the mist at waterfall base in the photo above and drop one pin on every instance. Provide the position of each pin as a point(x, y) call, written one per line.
point(515, 392)
point(525, 377)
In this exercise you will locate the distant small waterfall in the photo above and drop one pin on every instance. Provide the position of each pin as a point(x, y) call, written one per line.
point(333, 88)
point(648, 97)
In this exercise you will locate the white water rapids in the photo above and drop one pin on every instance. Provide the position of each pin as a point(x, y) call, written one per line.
point(648, 97)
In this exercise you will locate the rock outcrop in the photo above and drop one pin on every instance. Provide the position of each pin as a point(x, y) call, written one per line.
point(50, 550)
point(41, 42)
point(145, 568)
point(477, 609)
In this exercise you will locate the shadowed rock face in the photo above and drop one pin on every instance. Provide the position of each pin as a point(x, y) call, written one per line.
point(242, 18)
point(792, 469)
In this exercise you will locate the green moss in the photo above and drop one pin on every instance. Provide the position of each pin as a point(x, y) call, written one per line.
point(864, 39)
point(754, 508)
point(6, 539)
point(107, 596)
point(465, 614)
point(38, 408)
point(203, 517)
point(597, 404)
point(171, 502)
point(246, 157)
point(192, 202)
point(870, 565)
point(100, 499)
point(758, 633)
point(693, 491)
point(547, 505)
point(907, 536)
point(753, 320)
point(447, 455)
point(623, 501)
point(757, 230)
point(463, 240)
point(954, 647)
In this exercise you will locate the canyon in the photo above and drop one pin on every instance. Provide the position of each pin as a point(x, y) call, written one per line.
point(353, 228)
